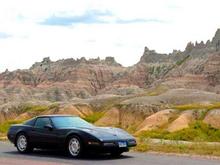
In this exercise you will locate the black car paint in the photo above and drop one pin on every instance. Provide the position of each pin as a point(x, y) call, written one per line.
point(57, 138)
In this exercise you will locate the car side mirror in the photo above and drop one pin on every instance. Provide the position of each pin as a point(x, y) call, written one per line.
point(48, 126)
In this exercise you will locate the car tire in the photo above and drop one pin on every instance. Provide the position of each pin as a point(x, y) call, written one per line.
point(22, 143)
point(74, 147)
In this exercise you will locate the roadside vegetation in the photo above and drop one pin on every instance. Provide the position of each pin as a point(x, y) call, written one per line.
point(197, 132)
point(94, 117)
point(99, 109)
point(36, 108)
point(197, 106)
point(192, 140)
point(5, 126)
point(194, 148)
point(33, 109)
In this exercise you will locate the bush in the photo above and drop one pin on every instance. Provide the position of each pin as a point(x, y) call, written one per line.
point(94, 117)
point(197, 131)
point(35, 108)
point(5, 126)
point(197, 106)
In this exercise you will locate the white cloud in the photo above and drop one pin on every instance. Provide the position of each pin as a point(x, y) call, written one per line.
point(172, 23)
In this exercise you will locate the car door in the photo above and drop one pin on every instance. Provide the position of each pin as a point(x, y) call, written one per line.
point(41, 136)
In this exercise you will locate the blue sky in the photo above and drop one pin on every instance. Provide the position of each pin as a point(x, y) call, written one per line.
point(33, 29)
point(94, 17)
point(4, 35)
point(88, 17)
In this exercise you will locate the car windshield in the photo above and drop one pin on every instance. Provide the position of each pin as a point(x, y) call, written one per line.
point(70, 121)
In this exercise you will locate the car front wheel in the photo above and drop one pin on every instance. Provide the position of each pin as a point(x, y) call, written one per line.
point(22, 144)
point(74, 147)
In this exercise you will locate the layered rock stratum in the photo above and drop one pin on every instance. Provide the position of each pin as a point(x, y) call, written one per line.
point(195, 67)
point(130, 94)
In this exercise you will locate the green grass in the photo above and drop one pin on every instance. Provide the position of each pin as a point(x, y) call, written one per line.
point(195, 148)
point(99, 109)
point(5, 126)
point(197, 132)
point(157, 91)
point(197, 106)
point(182, 61)
point(35, 108)
point(131, 129)
point(94, 117)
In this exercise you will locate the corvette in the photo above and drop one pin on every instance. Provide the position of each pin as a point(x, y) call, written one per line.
point(69, 133)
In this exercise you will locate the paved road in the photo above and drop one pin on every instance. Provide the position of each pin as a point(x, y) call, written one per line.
point(9, 156)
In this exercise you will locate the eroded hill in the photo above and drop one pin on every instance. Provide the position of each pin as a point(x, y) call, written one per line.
point(161, 91)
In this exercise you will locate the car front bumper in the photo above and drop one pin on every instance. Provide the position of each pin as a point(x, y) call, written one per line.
point(111, 146)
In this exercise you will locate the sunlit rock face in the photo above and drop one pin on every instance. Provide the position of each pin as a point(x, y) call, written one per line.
point(63, 80)
point(216, 40)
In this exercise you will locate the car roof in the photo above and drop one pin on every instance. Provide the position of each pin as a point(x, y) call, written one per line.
point(56, 116)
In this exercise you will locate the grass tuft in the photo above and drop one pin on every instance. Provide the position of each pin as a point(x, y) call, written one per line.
point(195, 148)
point(197, 132)
point(197, 106)
point(35, 108)
point(5, 126)
point(157, 91)
point(94, 117)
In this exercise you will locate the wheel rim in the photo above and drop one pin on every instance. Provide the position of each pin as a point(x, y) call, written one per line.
point(74, 147)
point(22, 143)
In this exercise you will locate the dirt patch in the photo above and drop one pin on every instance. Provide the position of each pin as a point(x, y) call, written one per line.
point(85, 109)
point(182, 121)
point(7, 115)
point(212, 118)
point(24, 116)
point(110, 118)
point(157, 120)
point(178, 96)
point(67, 110)
point(130, 120)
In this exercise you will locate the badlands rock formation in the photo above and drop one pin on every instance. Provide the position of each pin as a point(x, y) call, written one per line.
point(127, 95)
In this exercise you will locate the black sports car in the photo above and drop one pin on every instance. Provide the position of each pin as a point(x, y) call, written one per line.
point(71, 133)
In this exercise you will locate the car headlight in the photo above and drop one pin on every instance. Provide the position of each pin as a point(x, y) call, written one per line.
point(132, 142)
point(109, 144)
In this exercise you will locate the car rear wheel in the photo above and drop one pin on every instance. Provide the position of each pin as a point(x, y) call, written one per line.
point(74, 147)
point(22, 144)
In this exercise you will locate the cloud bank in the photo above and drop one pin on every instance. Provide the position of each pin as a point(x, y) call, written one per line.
point(33, 29)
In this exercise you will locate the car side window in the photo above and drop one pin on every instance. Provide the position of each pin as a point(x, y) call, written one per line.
point(30, 122)
point(41, 122)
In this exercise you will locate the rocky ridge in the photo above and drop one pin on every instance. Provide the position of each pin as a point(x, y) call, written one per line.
point(196, 67)
point(131, 94)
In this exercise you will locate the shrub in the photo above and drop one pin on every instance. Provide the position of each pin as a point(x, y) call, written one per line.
point(94, 117)
point(5, 126)
point(197, 131)
point(197, 106)
point(35, 108)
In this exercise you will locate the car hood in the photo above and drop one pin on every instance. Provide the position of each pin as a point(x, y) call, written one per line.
point(108, 133)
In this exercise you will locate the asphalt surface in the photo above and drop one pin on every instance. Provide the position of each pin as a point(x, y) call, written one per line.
point(10, 156)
